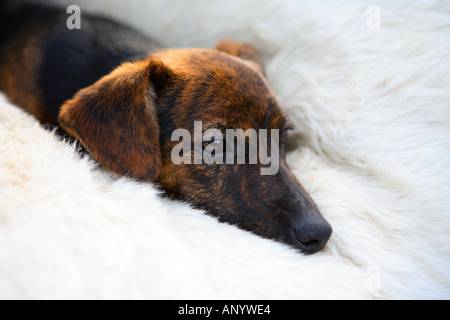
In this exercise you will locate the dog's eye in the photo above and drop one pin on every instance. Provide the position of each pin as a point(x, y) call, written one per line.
point(284, 137)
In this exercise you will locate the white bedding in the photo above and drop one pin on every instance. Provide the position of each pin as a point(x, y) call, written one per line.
point(371, 108)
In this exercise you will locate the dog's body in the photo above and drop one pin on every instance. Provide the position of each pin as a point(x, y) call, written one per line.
point(122, 97)
point(38, 51)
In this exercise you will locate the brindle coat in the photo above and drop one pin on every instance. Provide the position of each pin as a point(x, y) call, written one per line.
point(122, 96)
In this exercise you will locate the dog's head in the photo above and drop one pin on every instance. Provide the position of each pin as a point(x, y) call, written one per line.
point(127, 122)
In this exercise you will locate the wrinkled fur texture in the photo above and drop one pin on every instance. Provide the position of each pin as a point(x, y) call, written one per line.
point(372, 115)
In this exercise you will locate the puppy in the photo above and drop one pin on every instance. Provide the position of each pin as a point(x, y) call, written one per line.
point(122, 96)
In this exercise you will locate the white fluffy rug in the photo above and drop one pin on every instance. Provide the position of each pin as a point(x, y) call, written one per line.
point(372, 112)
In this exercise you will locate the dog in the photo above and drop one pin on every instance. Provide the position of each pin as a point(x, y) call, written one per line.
point(122, 95)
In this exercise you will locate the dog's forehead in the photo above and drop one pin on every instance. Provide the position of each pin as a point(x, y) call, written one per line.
point(236, 92)
point(244, 98)
point(223, 90)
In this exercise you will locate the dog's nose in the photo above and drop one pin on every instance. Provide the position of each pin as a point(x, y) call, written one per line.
point(312, 234)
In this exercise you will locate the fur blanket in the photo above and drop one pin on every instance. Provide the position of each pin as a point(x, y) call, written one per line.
point(368, 88)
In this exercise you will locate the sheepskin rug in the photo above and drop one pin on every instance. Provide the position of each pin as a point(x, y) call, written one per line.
point(368, 88)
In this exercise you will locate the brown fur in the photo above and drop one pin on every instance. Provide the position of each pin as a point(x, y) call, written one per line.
point(125, 120)
point(115, 120)
point(19, 76)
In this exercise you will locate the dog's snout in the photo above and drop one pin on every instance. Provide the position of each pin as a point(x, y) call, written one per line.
point(312, 234)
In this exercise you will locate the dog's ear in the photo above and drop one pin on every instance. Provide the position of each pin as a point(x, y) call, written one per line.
point(116, 120)
point(244, 51)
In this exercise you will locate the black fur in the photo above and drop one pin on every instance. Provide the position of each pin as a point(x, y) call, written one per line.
point(79, 56)
point(130, 133)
